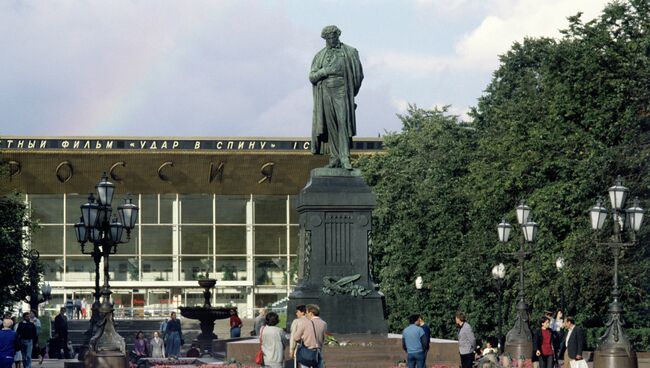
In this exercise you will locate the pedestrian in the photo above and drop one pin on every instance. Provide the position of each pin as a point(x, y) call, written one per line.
point(311, 333)
point(259, 321)
point(466, 341)
point(69, 308)
point(61, 335)
point(173, 336)
point(157, 346)
point(427, 335)
point(77, 308)
point(193, 352)
point(18, 356)
point(28, 338)
point(140, 346)
point(36, 350)
point(413, 343)
point(573, 343)
point(163, 327)
point(8, 342)
point(273, 340)
point(301, 311)
point(235, 324)
point(84, 306)
point(544, 340)
point(558, 321)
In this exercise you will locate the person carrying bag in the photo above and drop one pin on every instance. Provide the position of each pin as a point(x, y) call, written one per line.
point(306, 356)
point(310, 334)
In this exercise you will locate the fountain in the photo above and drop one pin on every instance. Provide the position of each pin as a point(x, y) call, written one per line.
point(206, 314)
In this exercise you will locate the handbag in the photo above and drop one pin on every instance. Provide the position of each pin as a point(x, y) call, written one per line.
point(578, 363)
point(259, 357)
point(308, 357)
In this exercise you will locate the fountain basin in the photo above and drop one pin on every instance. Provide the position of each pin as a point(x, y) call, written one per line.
point(206, 317)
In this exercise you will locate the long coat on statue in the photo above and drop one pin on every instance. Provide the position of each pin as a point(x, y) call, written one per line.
point(353, 75)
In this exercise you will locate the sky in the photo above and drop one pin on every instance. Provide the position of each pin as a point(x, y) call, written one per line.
point(208, 68)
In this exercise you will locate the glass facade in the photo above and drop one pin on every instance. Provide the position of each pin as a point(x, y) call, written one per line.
point(248, 243)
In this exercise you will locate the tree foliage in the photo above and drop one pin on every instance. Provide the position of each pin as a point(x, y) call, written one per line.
point(21, 270)
point(559, 120)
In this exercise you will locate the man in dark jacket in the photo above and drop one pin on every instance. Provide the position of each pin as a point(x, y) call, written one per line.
point(574, 341)
point(28, 338)
point(61, 334)
point(427, 336)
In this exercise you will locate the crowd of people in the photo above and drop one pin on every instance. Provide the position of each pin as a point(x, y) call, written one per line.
point(305, 338)
point(555, 340)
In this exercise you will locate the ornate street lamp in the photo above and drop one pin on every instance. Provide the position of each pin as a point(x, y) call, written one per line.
point(498, 274)
point(614, 349)
point(83, 235)
point(519, 338)
point(104, 232)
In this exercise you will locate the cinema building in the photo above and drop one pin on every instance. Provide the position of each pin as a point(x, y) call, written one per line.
point(220, 206)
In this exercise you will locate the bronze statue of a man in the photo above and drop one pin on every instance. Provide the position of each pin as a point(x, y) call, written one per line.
point(336, 77)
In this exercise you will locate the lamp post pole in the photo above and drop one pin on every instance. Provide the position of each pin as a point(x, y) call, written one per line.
point(96, 254)
point(498, 273)
point(106, 347)
point(614, 349)
point(559, 265)
point(519, 338)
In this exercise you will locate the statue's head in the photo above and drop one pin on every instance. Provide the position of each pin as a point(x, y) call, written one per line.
point(331, 35)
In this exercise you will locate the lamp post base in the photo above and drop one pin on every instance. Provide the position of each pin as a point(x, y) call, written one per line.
point(519, 351)
point(106, 359)
point(615, 358)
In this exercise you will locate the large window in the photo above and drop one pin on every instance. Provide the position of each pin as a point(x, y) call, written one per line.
point(231, 269)
point(196, 239)
point(47, 208)
point(149, 208)
point(270, 209)
point(48, 239)
point(196, 209)
point(179, 237)
point(231, 240)
point(157, 239)
point(194, 268)
point(157, 268)
point(231, 209)
point(270, 239)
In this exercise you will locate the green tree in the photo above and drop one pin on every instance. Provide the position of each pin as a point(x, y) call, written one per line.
point(18, 274)
point(559, 120)
point(420, 219)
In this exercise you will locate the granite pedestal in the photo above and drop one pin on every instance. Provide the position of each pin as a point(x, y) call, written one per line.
point(335, 216)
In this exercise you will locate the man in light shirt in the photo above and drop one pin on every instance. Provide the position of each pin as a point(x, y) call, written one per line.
point(259, 321)
point(311, 332)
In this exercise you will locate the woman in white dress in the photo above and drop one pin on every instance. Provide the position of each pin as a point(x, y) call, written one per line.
point(157, 346)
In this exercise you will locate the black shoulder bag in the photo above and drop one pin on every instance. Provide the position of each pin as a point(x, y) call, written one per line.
point(306, 356)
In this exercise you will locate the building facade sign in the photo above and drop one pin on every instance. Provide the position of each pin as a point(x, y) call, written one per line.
point(32, 144)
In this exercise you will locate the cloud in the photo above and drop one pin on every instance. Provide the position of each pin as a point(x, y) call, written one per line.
point(505, 22)
point(511, 21)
